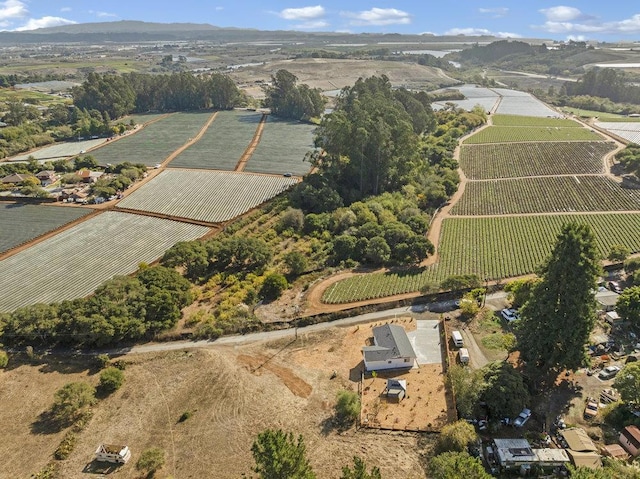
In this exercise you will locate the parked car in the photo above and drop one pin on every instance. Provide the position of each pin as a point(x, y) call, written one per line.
point(615, 287)
point(510, 315)
point(590, 409)
point(609, 372)
point(522, 418)
point(157, 166)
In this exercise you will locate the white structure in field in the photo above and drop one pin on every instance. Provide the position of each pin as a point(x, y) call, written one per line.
point(391, 350)
point(111, 453)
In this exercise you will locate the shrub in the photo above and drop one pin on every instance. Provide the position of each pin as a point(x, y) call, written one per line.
point(150, 460)
point(456, 437)
point(65, 448)
point(4, 359)
point(111, 379)
point(102, 360)
point(348, 406)
point(185, 415)
point(71, 400)
point(273, 286)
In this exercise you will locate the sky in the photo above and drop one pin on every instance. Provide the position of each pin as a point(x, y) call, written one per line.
point(584, 20)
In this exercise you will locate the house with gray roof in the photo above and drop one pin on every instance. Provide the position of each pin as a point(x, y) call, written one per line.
point(391, 349)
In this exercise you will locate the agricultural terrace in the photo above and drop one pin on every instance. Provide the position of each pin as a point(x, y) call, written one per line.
point(628, 130)
point(282, 148)
point(59, 150)
point(507, 134)
point(139, 118)
point(514, 102)
point(22, 223)
point(492, 248)
point(481, 162)
point(154, 142)
point(224, 142)
point(74, 262)
point(551, 194)
point(209, 196)
point(518, 120)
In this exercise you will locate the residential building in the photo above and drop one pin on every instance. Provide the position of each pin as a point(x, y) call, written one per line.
point(391, 349)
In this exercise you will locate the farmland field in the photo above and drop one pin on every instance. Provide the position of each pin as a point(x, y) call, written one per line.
point(559, 194)
point(210, 196)
point(516, 102)
point(154, 142)
point(492, 248)
point(282, 148)
point(59, 150)
point(74, 262)
point(22, 223)
point(223, 143)
point(628, 130)
point(138, 118)
point(481, 162)
point(518, 120)
point(506, 134)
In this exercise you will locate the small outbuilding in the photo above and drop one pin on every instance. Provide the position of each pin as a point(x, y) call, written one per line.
point(581, 449)
point(396, 389)
point(606, 300)
point(113, 453)
point(615, 451)
point(630, 440)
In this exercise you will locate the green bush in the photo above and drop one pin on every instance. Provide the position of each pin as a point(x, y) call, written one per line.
point(151, 460)
point(185, 415)
point(66, 446)
point(4, 359)
point(111, 379)
point(348, 406)
point(273, 286)
point(72, 400)
point(102, 360)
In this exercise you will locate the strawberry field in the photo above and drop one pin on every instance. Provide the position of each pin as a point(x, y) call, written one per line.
point(507, 134)
point(481, 162)
point(536, 121)
point(553, 194)
point(492, 248)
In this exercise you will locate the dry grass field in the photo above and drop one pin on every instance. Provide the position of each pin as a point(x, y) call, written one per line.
point(233, 393)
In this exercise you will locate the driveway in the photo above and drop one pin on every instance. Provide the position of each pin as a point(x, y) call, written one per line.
point(426, 342)
point(477, 359)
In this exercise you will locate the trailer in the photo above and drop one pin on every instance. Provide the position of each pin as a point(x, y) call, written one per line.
point(112, 453)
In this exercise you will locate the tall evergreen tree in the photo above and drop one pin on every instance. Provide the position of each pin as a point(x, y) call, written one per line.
point(278, 455)
point(559, 316)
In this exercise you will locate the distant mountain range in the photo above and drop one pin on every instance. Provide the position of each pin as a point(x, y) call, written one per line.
point(137, 31)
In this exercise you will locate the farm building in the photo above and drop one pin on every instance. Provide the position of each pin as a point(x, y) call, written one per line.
point(396, 389)
point(606, 300)
point(616, 451)
point(391, 349)
point(111, 453)
point(89, 176)
point(517, 455)
point(581, 449)
point(15, 179)
point(630, 440)
point(47, 177)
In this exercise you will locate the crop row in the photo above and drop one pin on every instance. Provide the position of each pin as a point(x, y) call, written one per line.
point(21, 222)
point(518, 120)
point(628, 130)
point(59, 150)
point(480, 162)
point(524, 105)
point(211, 196)
point(223, 144)
point(492, 248)
point(73, 263)
point(154, 142)
point(506, 134)
point(282, 148)
point(552, 194)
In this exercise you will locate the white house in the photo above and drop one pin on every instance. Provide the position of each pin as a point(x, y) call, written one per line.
point(391, 349)
point(111, 453)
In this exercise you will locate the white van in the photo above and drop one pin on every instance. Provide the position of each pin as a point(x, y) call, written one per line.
point(463, 353)
point(457, 339)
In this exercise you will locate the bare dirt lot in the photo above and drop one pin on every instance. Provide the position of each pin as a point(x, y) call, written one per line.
point(330, 74)
point(232, 393)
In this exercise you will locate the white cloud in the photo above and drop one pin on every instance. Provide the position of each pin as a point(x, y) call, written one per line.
point(498, 12)
point(378, 16)
point(561, 13)
point(65, 9)
point(477, 32)
point(560, 22)
point(219, 9)
point(44, 22)
point(105, 14)
point(577, 38)
point(304, 13)
point(11, 9)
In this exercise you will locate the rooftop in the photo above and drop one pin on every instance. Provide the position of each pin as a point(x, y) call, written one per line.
point(391, 342)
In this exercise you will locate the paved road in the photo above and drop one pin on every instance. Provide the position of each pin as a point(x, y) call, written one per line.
point(442, 306)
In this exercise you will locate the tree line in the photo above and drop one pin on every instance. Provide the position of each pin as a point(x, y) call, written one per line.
point(119, 95)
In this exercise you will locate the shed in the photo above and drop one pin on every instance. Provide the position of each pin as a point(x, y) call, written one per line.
point(630, 440)
point(616, 451)
point(396, 389)
point(578, 440)
point(613, 318)
point(590, 459)
point(606, 300)
point(391, 349)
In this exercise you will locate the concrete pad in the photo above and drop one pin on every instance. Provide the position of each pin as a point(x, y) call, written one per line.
point(426, 342)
